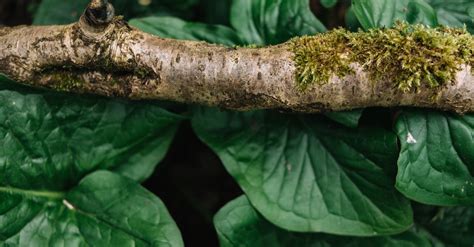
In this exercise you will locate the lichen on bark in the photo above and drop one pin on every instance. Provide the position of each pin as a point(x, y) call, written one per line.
point(413, 56)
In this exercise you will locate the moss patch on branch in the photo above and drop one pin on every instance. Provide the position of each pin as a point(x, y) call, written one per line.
point(414, 55)
point(65, 82)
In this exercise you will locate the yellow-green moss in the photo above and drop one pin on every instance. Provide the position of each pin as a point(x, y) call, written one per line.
point(64, 81)
point(413, 55)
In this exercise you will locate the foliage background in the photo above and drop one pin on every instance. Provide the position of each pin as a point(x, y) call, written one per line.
point(192, 181)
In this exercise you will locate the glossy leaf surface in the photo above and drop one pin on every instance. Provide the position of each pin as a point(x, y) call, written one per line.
point(307, 174)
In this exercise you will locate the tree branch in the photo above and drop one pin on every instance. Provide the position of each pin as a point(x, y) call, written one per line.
point(101, 54)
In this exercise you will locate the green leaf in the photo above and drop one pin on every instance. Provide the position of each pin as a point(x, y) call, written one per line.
point(446, 226)
point(436, 163)
point(328, 3)
point(171, 27)
point(264, 22)
point(51, 140)
point(104, 209)
point(455, 13)
point(384, 13)
point(238, 224)
point(306, 174)
point(347, 118)
point(454, 226)
point(421, 12)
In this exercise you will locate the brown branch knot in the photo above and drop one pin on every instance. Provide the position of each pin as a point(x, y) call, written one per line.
point(99, 13)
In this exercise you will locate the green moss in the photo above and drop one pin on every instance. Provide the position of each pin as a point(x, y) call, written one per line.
point(64, 81)
point(414, 55)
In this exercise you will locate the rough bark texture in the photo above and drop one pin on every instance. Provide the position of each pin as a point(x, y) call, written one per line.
point(108, 57)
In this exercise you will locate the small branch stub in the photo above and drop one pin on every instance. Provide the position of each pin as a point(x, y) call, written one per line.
point(99, 13)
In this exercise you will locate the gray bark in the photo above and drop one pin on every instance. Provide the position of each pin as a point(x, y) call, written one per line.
point(103, 55)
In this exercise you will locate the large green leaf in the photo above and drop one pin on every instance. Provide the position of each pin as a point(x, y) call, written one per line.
point(306, 174)
point(265, 22)
point(238, 224)
point(49, 140)
point(104, 209)
point(384, 13)
point(436, 163)
point(455, 13)
point(454, 226)
point(171, 27)
point(446, 226)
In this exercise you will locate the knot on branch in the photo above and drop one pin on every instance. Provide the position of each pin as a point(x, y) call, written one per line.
point(99, 13)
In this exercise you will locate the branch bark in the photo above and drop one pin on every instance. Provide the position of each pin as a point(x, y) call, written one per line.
point(102, 54)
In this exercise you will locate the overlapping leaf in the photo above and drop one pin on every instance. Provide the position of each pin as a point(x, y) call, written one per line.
point(51, 140)
point(455, 13)
point(265, 22)
point(446, 226)
point(436, 164)
point(384, 13)
point(307, 174)
point(238, 224)
point(260, 22)
point(172, 27)
point(104, 209)
point(454, 226)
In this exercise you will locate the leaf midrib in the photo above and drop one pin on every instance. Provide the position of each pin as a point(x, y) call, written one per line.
point(58, 196)
point(52, 195)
